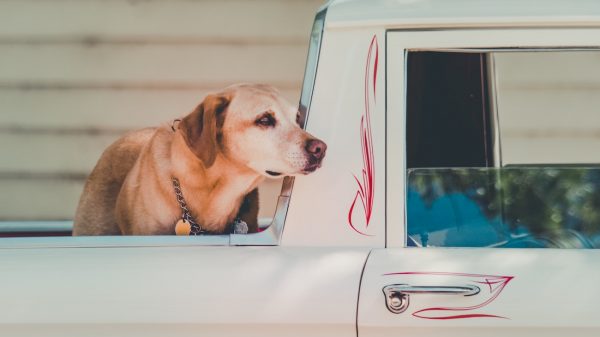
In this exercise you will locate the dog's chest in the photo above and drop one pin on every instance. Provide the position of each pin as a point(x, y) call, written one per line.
point(215, 203)
point(221, 210)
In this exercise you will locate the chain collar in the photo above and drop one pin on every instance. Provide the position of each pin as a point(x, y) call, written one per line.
point(237, 227)
point(195, 228)
point(175, 124)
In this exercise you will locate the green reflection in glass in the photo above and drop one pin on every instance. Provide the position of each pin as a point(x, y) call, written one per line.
point(506, 207)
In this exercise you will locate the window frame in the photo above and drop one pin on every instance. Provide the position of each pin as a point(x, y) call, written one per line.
point(400, 42)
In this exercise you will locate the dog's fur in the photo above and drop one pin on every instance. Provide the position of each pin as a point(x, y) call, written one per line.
point(219, 153)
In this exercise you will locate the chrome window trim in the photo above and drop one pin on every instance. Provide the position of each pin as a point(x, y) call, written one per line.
point(113, 241)
point(312, 61)
point(8, 227)
point(495, 120)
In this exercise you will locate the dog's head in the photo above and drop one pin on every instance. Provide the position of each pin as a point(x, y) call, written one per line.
point(252, 125)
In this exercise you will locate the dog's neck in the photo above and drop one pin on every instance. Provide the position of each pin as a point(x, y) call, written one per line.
point(214, 194)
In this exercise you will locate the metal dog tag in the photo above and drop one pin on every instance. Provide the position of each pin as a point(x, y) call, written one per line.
point(182, 227)
point(240, 227)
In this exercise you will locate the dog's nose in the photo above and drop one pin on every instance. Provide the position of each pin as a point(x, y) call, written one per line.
point(316, 148)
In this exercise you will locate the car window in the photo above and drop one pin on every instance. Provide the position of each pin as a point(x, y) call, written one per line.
point(63, 104)
point(516, 207)
point(447, 110)
point(548, 107)
point(502, 149)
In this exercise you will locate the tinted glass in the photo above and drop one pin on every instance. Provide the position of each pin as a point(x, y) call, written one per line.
point(534, 207)
point(448, 113)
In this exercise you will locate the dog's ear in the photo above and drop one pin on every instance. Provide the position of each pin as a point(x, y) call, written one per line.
point(202, 128)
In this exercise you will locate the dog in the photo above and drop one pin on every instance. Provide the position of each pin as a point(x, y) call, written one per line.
point(217, 155)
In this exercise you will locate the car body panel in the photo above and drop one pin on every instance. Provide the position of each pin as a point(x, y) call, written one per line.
point(221, 290)
point(548, 292)
point(524, 286)
point(420, 14)
point(337, 109)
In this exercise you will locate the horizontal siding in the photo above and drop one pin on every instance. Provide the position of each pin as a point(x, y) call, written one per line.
point(213, 20)
point(75, 75)
point(552, 70)
point(148, 65)
point(548, 107)
point(557, 150)
point(50, 153)
point(35, 199)
point(111, 110)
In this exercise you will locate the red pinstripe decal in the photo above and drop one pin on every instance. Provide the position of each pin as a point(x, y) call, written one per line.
point(366, 185)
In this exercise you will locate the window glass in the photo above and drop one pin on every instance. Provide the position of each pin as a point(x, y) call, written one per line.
point(533, 207)
point(447, 110)
point(527, 123)
point(549, 106)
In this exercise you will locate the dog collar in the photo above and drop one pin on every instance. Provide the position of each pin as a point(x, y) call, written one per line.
point(188, 226)
point(173, 126)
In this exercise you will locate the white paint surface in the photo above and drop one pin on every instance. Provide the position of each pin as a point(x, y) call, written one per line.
point(318, 212)
point(217, 291)
point(462, 13)
point(553, 292)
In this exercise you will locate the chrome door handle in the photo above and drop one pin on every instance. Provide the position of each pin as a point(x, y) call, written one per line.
point(397, 296)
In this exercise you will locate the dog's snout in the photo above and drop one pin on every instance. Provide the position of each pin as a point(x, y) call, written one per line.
point(316, 148)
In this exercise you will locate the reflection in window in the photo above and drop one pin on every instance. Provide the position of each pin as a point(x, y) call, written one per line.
point(502, 148)
point(535, 207)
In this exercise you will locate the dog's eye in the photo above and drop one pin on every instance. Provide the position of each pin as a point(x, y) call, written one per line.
point(299, 119)
point(266, 120)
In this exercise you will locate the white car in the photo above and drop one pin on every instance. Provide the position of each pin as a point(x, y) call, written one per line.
point(459, 195)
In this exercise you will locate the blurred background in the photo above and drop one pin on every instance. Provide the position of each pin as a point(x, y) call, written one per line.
point(75, 75)
point(549, 106)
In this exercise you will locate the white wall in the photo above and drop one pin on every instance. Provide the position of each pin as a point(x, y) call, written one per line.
point(549, 106)
point(74, 75)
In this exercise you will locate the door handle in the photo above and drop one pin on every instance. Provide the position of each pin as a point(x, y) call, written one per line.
point(397, 296)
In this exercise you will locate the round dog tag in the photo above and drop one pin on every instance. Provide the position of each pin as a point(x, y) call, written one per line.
point(182, 227)
point(240, 227)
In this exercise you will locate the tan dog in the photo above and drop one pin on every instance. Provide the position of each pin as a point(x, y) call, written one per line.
point(219, 153)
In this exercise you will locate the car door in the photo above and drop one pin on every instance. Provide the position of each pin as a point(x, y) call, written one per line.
point(491, 162)
point(176, 288)
point(474, 292)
